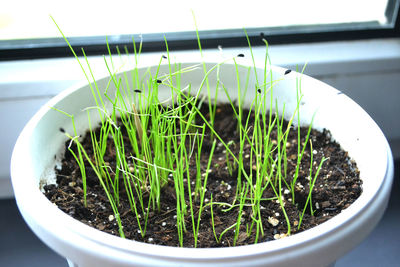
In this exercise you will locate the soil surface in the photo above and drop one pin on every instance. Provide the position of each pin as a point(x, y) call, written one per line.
point(337, 186)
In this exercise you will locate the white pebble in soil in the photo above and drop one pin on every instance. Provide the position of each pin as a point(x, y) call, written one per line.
point(273, 221)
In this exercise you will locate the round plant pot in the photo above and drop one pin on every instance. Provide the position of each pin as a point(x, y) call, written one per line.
point(40, 145)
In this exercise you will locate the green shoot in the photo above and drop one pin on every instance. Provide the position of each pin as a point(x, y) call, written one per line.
point(157, 142)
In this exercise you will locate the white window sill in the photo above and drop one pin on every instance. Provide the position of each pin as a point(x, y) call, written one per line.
point(323, 59)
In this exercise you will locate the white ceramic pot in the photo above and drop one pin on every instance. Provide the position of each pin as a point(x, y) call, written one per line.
point(40, 144)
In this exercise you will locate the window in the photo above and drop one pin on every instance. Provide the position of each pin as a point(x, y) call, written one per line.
point(29, 32)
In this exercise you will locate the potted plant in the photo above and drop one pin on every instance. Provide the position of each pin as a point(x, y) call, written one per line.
point(152, 116)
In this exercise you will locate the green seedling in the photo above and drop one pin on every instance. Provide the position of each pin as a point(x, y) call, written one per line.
point(156, 143)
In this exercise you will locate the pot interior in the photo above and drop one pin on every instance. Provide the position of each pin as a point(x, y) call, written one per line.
point(348, 123)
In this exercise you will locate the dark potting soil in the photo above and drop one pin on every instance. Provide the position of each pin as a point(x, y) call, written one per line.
point(337, 186)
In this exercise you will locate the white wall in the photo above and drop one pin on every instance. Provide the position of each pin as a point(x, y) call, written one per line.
point(367, 71)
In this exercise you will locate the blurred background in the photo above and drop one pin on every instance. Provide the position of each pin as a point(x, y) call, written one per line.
point(353, 45)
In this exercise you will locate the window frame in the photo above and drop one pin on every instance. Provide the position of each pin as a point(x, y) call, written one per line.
point(96, 45)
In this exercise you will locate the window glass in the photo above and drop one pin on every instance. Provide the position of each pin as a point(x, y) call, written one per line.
point(30, 19)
